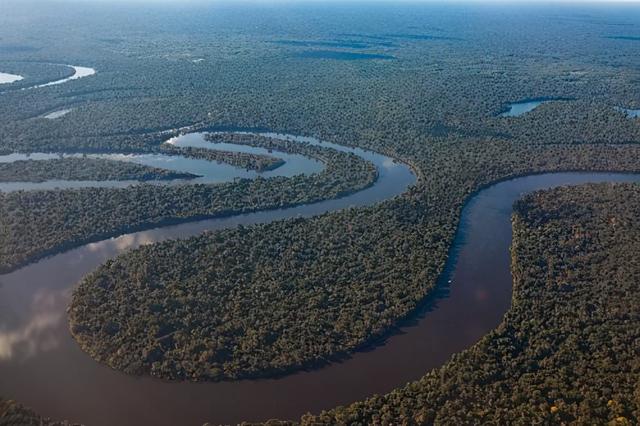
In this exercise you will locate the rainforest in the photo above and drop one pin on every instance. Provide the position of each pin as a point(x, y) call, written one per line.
point(319, 212)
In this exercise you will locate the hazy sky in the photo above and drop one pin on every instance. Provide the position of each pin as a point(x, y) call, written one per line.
point(343, 1)
point(631, 3)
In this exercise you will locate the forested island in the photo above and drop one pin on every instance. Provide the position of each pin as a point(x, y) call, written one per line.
point(561, 345)
point(564, 352)
point(74, 168)
point(260, 163)
point(44, 222)
point(287, 295)
point(88, 167)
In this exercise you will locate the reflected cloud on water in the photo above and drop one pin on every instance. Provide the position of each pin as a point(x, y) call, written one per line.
point(390, 163)
point(36, 347)
point(122, 243)
point(38, 331)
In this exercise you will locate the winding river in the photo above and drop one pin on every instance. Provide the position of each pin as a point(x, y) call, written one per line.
point(207, 172)
point(78, 72)
point(42, 366)
point(516, 109)
point(6, 78)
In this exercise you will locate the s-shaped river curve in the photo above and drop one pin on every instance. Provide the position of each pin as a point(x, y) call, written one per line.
point(42, 366)
point(78, 72)
point(57, 379)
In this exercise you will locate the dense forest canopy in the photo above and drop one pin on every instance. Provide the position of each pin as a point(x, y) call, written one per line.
point(43, 222)
point(424, 84)
point(72, 168)
point(565, 351)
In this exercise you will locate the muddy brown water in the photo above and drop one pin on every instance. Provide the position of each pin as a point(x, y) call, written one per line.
point(42, 366)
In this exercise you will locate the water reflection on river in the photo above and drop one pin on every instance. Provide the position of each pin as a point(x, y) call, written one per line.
point(517, 109)
point(79, 72)
point(208, 172)
point(44, 368)
point(6, 78)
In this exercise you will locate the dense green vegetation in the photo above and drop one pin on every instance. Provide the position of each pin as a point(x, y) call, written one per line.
point(561, 354)
point(42, 222)
point(32, 73)
point(565, 352)
point(269, 299)
point(149, 82)
point(75, 168)
point(434, 105)
point(14, 414)
point(247, 161)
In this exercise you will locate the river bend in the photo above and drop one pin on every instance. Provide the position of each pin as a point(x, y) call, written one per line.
point(43, 367)
point(208, 172)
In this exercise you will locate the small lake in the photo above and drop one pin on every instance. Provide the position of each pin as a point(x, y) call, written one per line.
point(9, 78)
point(631, 113)
point(517, 109)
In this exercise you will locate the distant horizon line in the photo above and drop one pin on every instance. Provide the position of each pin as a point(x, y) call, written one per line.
point(274, 2)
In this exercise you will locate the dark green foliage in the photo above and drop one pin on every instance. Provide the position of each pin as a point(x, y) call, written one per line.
point(433, 106)
point(567, 349)
point(71, 168)
point(247, 161)
point(41, 222)
point(268, 299)
point(250, 302)
point(14, 414)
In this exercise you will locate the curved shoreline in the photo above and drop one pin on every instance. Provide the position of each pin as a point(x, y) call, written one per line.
point(44, 329)
point(524, 106)
point(420, 343)
point(205, 171)
point(79, 73)
point(6, 78)
point(294, 164)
